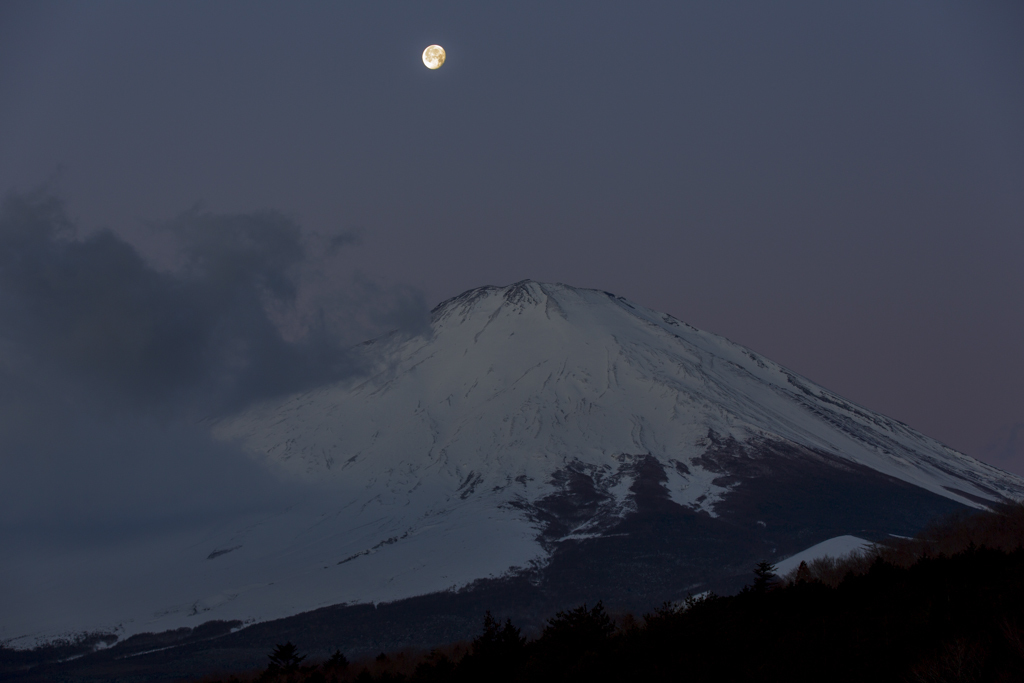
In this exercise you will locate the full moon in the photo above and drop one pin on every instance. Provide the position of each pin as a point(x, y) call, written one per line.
point(433, 57)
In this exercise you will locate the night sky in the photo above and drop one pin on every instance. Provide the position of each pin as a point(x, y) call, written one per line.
point(839, 186)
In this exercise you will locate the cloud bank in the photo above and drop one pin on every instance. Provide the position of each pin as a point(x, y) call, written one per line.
point(108, 365)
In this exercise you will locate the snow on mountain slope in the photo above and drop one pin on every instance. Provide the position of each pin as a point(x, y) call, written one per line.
point(839, 548)
point(440, 466)
point(515, 379)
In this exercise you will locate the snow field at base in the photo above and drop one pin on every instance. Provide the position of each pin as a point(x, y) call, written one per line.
point(838, 548)
point(419, 475)
point(281, 565)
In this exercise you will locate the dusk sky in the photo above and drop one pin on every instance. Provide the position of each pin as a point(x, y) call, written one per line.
point(837, 185)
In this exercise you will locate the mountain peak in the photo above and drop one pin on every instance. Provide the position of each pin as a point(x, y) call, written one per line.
point(507, 370)
point(546, 301)
point(519, 295)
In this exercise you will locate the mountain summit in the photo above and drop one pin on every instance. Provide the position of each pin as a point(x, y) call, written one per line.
point(553, 445)
point(513, 382)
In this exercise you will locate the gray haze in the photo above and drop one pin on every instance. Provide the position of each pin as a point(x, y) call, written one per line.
point(109, 367)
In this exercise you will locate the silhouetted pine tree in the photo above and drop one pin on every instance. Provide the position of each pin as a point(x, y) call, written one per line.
point(579, 628)
point(572, 645)
point(498, 642)
point(497, 653)
point(284, 660)
point(764, 576)
point(336, 662)
point(286, 657)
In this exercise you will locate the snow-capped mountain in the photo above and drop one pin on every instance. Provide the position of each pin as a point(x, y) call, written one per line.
point(565, 437)
point(515, 382)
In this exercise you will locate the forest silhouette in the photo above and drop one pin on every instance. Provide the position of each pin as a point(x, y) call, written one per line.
point(947, 605)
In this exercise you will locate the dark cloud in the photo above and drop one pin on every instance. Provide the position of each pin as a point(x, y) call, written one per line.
point(108, 365)
point(77, 472)
point(343, 240)
point(206, 335)
point(394, 308)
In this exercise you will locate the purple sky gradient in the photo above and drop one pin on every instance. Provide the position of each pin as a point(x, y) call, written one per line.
point(839, 186)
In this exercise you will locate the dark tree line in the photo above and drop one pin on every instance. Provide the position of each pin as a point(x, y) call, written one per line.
point(955, 617)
